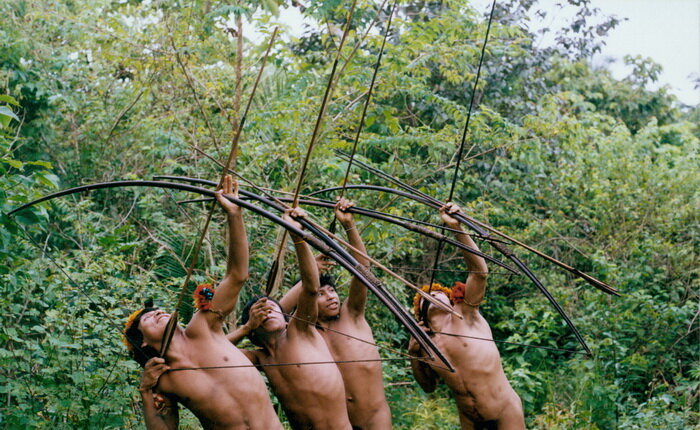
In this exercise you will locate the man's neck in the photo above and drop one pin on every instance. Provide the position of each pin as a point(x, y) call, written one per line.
point(271, 340)
point(326, 322)
point(437, 322)
point(178, 346)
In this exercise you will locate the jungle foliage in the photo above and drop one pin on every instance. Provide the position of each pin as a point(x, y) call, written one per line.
point(597, 172)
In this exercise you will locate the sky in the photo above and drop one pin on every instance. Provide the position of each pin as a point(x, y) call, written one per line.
point(668, 31)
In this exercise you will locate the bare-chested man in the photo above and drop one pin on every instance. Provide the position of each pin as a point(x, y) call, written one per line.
point(312, 395)
point(364, 388)
point(227, 398)
point(485, 399)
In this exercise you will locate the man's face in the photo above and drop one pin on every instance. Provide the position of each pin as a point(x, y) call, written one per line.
point(152, 326)
point(328, 303)
point(274, 320)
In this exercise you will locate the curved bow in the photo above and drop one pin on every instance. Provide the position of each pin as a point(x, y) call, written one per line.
point(321, 243)
point(502, 248)
point(360, 211)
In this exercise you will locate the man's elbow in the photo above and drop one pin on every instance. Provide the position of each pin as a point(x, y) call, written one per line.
point(235, 279)
point(481, 274)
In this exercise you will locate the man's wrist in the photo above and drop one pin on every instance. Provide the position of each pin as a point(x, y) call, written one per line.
point(144, 390)
point(233, 213)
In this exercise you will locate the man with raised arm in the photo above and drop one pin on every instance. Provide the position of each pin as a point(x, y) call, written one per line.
point(312, 395)
point(229, 397)
point(364, 388)
point(485, 399)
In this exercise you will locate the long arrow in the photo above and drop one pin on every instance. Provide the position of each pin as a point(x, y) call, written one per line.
point(172, 322)
point(417, 195)
point(274, 278)
point(406, 223)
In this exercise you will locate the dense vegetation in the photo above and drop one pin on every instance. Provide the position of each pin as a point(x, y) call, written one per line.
point(598, 172)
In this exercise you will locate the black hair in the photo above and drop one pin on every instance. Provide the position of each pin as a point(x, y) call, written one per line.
point(423, 315)
point(141, 354)
point(245, 316)
point(326, 279)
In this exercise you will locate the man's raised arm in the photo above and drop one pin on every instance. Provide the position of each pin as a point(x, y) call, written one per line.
point(291, 297)
point(472, 293)
point(237, 262)
point(307, 309)
point(357, 296)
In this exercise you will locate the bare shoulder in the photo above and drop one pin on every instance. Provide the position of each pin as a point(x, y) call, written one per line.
point(204, 323)
point(470, 313)
point(349, 316)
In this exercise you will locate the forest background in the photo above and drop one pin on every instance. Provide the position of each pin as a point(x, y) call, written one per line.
point(597, 172)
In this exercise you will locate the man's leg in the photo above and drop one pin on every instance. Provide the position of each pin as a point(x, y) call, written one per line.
point(513, 418)
point(466, 423)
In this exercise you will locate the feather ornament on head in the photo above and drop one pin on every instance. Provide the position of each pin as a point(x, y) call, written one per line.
point(203, 295)
point(133, 321)
point(427, 288)
point(458, 292)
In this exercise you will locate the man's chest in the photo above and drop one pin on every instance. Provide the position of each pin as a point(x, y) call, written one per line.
point(344, 337)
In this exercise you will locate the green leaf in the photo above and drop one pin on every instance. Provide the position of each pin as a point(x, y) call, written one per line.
point(12, 162)
point(27, 217)
point(8, 99)
point(45, 164)
point(6, 115)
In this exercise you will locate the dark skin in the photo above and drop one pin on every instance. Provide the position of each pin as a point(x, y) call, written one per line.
point(226, 398)
point(364, 388)
point(480, 387)
point(313, 396)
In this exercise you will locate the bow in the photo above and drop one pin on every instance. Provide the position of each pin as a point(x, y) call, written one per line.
point(360, 211)
point(502, 248)
point(313, 237)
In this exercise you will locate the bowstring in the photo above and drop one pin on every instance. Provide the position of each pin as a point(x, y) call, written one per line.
point(304, 363)
point(404, 356)
point(507, 342)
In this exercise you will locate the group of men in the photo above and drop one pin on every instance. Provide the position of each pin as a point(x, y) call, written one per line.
point(318, 354)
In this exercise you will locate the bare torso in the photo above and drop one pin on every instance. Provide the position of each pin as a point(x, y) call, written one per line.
point(312, 395)
point(479, 384)
point(364, 389)
point(229, 398)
